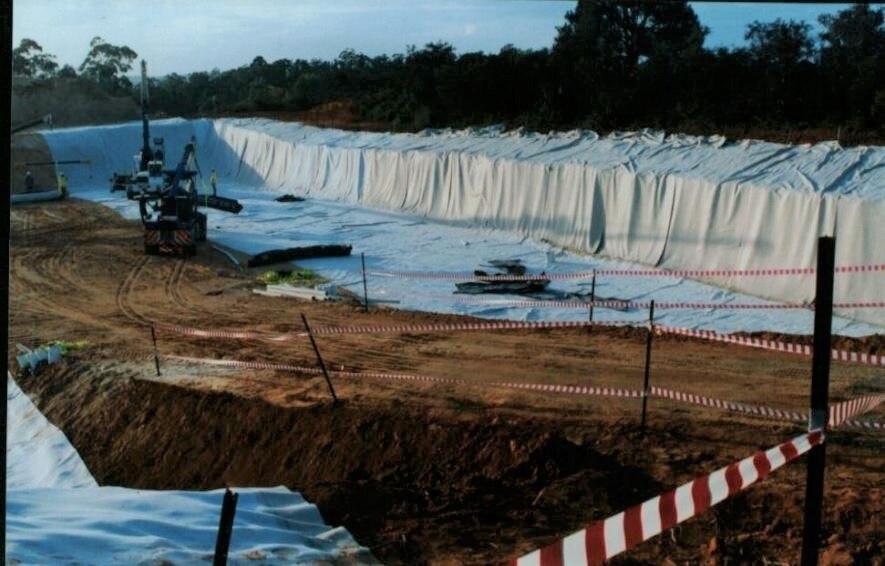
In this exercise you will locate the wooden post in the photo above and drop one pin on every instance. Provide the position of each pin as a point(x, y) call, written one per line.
point(316, 350)
point(365, 284)
point(645, 388)
point(820, 391)
point(225, 527)
point(156, 352)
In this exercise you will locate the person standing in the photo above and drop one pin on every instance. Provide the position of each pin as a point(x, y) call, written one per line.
point(63, 185)
point(29, 182)
point(213, 180)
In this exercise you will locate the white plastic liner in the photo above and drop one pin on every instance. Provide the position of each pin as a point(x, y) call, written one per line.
point(675, 202)
point(38, 454)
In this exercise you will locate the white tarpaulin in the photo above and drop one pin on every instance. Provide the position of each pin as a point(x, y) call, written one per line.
point(676, 202)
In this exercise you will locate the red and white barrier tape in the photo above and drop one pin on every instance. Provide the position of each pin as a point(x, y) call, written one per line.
point(547, 387)
point(495, 325)
point(228, 334)
point(765, 272)
point(327, 330)
point(842, 413)
point(756, 410)
point(801, 349)
point(242, 364)
point(583, 305)
point(869, 425)
point(573, 389)
point(606, 539)
point(852, 408)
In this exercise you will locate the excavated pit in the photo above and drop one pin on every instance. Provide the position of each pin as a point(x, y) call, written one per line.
point(475, 486)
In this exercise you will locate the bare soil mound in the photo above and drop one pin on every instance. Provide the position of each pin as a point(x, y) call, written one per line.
point(72, 102)
point(340, 114)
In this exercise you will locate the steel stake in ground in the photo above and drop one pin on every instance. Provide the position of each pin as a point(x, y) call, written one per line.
point(365, 284)
point(225, 527)
point(316, 350)
point(820, 392)
point(156, 351)
point(645, 387)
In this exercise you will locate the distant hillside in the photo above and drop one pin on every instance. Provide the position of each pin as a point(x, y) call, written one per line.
point(71, 101)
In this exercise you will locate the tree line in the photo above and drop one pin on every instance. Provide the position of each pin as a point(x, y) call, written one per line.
point(614, 64)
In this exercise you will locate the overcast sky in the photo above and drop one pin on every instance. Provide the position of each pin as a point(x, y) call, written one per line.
point(194, 35)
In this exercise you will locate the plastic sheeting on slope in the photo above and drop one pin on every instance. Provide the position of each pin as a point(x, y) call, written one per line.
point(56, 513)
point(667, 201)
point(38, 454)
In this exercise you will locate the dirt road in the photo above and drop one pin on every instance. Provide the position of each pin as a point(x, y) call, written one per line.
point(419, 472)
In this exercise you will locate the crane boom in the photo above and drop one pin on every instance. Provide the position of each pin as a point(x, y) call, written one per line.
point(146, 152)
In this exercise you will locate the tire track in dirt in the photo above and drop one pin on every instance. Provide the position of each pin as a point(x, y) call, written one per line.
point(173, 288)
point(31, 296)
point(20, 221)
point(124, 290)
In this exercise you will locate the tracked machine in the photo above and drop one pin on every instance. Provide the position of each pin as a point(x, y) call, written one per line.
point(170, 212)
point(169, 199)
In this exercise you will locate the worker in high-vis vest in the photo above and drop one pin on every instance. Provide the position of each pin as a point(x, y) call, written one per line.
point(63, 184)
point(213, 180)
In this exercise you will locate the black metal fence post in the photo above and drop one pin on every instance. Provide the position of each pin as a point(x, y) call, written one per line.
point(225, 527)
point(820, 391)
point(645, 388)
point(156, 351)
point(592, 295)
point(316, 350)
point(365, 284)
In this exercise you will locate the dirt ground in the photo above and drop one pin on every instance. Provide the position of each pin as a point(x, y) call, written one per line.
point(71, 101)
point(418, 472)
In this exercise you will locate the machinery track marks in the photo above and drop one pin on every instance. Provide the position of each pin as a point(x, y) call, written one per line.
point(125, 289)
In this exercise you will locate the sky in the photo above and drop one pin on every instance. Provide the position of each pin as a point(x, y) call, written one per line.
point(183, 36)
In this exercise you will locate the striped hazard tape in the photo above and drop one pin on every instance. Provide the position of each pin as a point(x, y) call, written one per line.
point(801, 349)
point(546, 387)
point(573, 389)
point(327, 330)
point(464, 326)
point(756, 410)
point(624, 305)
point(606, 539)
point(840, 414)
point(765, 272)
point(242, 364)
point(867, 425)
point(228, 334)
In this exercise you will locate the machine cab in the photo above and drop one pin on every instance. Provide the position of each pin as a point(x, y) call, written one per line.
point(155, 174)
